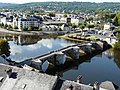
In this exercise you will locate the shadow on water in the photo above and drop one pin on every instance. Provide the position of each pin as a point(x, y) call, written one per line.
point(72, 64)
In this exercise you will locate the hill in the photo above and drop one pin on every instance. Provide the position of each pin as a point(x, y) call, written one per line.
point(86, 7)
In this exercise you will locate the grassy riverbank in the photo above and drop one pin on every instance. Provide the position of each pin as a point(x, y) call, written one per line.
point(73, 37)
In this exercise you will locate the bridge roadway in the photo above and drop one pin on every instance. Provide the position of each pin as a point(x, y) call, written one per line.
point(42, 57)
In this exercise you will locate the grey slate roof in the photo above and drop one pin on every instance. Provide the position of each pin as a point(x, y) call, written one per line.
point(108, 85)
point(22, 79)
point(66, 84)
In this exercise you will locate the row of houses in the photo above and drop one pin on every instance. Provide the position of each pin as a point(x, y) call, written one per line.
point(21, 22)
point(25, 21)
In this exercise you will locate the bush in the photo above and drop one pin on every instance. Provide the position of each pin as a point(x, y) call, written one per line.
point(5, 26)
point(40, 29)
point(24, 29)
point(15, 27)
point(117, 44)
point(29, 29)
point(4, 47)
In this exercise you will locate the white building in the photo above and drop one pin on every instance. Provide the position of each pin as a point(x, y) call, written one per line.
point(6, 20)
point(28, 22)
point(65, 27)
point(108, 26)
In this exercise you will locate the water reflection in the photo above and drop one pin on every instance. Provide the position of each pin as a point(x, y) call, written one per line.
point(93, 68)
point(25, 40)
point(100, 67)
point(117, 57)
point(23, 47)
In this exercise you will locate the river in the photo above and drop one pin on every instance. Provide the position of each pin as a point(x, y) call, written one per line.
point(101, 67)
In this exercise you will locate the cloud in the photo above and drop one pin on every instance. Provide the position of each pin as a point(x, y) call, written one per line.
point(15, 50)
point(46, 43)
point(33, 47)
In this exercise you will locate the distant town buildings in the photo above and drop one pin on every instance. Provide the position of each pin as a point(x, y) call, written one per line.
point(109, 26)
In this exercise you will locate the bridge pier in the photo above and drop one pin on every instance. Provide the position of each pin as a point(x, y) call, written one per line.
point(38, 64)
point(97, 45)
point(76, 53)
point(44, 66)
point(60, 58)
point(73, 52)
point(89, 48)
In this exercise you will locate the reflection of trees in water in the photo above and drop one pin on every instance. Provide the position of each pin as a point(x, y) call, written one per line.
point(109, 53)
point(4, 47)
point(117, 57)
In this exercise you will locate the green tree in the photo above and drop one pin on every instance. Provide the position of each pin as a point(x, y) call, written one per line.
point(116, 19)
point(4, 47)
point(117, 44)
point(89, 26)
point(40, 29)
point(82, 27)
point(74, 26)
point(55, 29)
point(24, 29)
point(51, 14)
point(15, 27)
point(65, 15)
point(29, 29)
point(5, 26)
point(2, 24)
point(9, 27)
point(59, 29)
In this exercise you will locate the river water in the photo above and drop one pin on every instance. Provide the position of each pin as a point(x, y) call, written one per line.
point(102, 67)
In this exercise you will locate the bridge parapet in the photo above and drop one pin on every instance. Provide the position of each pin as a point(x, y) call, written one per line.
point(58, 57)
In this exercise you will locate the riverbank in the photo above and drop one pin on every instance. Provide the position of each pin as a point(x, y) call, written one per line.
point(2, 30)
point(78, 38)
point(19, 32)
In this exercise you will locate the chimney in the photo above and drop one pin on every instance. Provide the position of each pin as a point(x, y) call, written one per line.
point(9, 72)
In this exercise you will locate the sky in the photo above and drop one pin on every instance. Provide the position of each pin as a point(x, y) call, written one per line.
point(27, 1)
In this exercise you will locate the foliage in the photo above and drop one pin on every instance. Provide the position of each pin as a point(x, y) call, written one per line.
point(74, 26)
point(9, 27)
point(117, 57)
point(40, 29)
point(51, 14)
point(82, 27)
point(4, 47)
point(65, 15)
point(24, 29)
point(59, 29)
point(68, 7)
point(5, 26)
point(117, 44)
point(116, 19)
point(15, 27)
point(90, 26)
point(2, 24)
point(55, 29)
point(29, 29)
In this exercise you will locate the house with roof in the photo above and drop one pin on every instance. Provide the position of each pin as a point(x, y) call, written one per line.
point(31, 21)
point(109, 26)
point(65, 27)
point(14, 78)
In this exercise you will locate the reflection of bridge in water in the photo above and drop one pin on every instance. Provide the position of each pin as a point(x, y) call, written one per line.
point(58, 57)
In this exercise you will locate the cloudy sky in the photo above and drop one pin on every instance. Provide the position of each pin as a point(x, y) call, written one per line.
point(26, 1)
